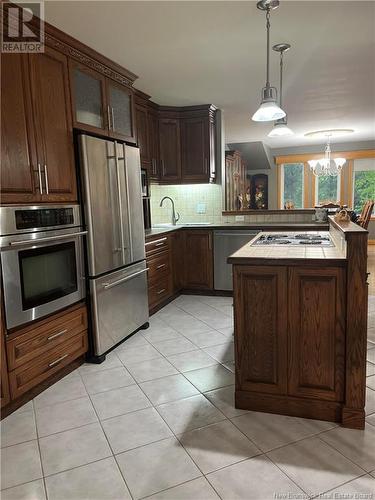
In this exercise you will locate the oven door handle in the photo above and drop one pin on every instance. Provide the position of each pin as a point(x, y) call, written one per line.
point(42, 240)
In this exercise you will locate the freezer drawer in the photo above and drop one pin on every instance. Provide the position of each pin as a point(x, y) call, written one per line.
point(225, 244)
point(119, 305)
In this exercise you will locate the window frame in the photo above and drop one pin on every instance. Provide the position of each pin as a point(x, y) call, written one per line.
point(345, 182)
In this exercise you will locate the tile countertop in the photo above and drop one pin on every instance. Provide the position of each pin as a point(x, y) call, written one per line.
point(249, 254)
point(261, 226)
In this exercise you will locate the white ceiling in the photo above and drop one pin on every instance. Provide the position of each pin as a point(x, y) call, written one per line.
point(214, 52)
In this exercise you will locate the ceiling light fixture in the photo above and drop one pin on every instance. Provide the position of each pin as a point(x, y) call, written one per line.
point(327, 165)
point(268, 109)
point(333, 132)
point(280, 127)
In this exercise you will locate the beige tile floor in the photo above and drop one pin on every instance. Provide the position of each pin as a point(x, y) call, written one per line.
point(157, 420)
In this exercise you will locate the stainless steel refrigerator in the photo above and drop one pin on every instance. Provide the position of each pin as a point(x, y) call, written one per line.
point(112, 203)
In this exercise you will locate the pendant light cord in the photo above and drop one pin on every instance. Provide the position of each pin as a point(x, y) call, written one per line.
point(268, 25)
point(281, 77)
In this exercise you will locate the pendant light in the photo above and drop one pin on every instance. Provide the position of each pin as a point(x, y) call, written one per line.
point(268, 109)
point(280, 127)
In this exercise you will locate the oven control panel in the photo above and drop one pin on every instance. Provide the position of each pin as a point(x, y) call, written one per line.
point(43, 217)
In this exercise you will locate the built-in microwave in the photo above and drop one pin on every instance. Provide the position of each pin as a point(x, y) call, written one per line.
point(41, 261)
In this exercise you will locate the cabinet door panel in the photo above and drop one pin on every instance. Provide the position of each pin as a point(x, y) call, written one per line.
point(88, 92)
point(142, 135)
point(195, 149)
point(198, 260)
point(261, 329)
point(120, 101)
point(317, 333)
point(170, 154)
point(153, 142)
point(50, 90)
point(19, 181)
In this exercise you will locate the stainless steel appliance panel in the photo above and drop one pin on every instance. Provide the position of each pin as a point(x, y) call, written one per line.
point(102, 205)
point(227, 242)
point(119, 305)
point(132, 184)
point(42, 273)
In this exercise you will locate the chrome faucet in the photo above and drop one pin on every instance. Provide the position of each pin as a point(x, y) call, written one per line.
point(174, 218)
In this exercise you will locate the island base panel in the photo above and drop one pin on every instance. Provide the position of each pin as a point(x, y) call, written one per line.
point(296, 407)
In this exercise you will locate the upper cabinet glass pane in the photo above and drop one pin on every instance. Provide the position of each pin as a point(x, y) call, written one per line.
point(120, 102)
point(88, 99)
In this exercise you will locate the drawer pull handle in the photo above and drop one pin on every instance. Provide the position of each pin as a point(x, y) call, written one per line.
point(160, 266)
point(159, 244)
point(155, 241)
point(51, 337)
point(57, 361)
point(161, 291)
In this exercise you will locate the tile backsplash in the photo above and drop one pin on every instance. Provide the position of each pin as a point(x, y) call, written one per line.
point(187, 199)
point(190, 199)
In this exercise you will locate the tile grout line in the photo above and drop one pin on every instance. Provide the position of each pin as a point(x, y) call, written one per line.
point(40, 452)
point(106, 438)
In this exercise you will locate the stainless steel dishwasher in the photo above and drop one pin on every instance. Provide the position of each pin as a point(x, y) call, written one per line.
point(227, 242)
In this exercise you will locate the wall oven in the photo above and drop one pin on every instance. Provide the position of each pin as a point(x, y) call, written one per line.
point(41, 261)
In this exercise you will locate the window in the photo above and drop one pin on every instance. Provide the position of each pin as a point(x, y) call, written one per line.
point(292, 185)
point(327, 189)
point(363, 182)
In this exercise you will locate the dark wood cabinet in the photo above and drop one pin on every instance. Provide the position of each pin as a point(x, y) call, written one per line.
point(316, 309)
point(290, 339)
point(198, 260)
point(198, 145)
point(261, 328)
point(141, 119)
point(19, 170)
point(4, 387)
point(160, 275)
point(88, 99)
point(101, 105)
point(153, 142)
point(120, 104)
point(37, 140)
point(53, 130)
point(170, 150)
point(178, 260)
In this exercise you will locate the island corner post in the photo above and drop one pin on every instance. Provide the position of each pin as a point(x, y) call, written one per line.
point(301, 329)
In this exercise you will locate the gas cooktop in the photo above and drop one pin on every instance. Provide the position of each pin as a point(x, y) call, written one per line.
point(321, 239)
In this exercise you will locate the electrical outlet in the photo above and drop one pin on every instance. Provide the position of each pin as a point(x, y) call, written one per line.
point(240, 218)
point(201, 208)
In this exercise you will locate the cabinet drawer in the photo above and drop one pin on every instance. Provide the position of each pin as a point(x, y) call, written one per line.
point(44, 336)
point(156, 246)
point(157, 266)
point(159, 291)
point(32, 373)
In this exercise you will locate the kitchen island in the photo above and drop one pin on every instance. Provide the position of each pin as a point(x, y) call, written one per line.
point(301, 326)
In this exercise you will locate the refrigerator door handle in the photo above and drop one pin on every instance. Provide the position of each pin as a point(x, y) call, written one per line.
point(120, 205)
point(106, 286)
point(128, 212)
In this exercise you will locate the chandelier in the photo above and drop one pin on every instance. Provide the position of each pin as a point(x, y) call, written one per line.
point(268, 109)
point(327, 165)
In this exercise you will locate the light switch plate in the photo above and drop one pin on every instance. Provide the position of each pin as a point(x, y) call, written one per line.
point(240, 218)
point(201, 208)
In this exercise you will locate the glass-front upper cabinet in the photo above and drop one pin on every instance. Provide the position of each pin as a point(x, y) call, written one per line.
point(88, 95)
point(121, 111)
point(101, 105)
